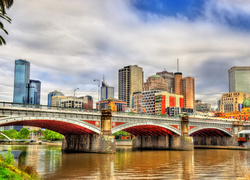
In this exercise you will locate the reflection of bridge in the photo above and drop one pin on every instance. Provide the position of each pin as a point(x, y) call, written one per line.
point(68, 122)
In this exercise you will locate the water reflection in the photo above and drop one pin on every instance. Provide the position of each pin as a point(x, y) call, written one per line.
point(130, 164)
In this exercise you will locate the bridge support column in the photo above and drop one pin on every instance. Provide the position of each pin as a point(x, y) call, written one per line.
point(183, 142)
point(237, 127)
point(151, 142)
point(93, 143)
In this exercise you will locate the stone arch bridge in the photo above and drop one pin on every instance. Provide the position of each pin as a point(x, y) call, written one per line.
point(153, 132)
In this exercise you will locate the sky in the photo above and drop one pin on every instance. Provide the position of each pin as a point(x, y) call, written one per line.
point(71, 43)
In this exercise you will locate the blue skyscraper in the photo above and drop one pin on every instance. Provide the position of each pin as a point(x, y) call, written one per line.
point(34, 92)
point(51, 94)
point(21, 81)
point(26, 91)
point(106, 91)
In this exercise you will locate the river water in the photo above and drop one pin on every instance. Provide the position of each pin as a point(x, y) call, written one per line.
point(51, 163)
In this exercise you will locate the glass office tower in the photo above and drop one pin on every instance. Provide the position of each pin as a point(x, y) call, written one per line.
point(106, 91)
point(34, 92)
point(21, 81)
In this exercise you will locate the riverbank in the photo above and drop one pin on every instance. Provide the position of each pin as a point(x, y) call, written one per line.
point(10, 171)
point(56, 143)
point(222, 147)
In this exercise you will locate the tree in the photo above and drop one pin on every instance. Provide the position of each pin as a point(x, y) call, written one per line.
point(12, 134)
point(23, 134)
point(3, 5)
point(51, 135)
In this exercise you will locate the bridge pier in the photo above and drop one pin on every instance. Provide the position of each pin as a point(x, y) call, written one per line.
point(175, 142)
point(92, 143)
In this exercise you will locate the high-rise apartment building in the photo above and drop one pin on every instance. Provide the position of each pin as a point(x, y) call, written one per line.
point(239, 79)
point(130, 81)
point(155, 82)
point(106, 91)
point(169, 79)
point(185, 87)
point(188, 91)
point(53, 93)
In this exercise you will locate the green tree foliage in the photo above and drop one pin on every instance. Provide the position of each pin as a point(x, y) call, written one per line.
point(123, 133)
point(3, 5)
point(51, 135)
point(23, 134)
point(12, 134)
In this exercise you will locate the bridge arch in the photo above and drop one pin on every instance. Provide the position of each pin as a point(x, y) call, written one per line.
point(129, 127)
point(60, 125)
point(194, 131)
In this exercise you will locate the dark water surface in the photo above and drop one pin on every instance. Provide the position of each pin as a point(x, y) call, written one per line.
point(128, 164)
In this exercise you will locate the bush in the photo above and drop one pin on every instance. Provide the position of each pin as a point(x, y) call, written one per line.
point(9, 158)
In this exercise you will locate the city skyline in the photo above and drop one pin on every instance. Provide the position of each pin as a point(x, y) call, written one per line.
point(100, 40)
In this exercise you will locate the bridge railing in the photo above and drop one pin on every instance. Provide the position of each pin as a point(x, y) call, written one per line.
point(44, 107)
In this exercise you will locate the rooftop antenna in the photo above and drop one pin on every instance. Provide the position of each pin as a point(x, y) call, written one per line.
point(177, 65)
point(103, 78)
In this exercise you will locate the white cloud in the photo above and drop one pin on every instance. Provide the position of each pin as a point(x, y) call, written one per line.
point(71, 43)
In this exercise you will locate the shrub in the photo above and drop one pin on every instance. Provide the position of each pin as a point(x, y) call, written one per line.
point(9, 158)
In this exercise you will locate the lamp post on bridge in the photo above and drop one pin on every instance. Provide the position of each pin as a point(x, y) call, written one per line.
point(75, 91)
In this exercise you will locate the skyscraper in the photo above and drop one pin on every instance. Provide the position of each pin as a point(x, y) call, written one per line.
point(106, 91)
point(239, 79)
point(130, 81)
point(185, 87)
point(34, 92)
point(53, 93)
point(21, 81)
point(26, 91)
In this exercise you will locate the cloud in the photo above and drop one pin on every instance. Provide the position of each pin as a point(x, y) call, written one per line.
point(70, 44)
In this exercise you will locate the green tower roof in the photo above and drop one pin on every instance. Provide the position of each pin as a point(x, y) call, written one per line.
point(155, 76)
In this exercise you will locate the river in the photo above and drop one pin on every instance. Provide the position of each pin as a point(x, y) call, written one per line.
point(51, 163)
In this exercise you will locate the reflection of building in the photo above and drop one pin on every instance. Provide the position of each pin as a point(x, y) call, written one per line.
point(137, 97)
point(202, 107)
point(26, 91)
point(167, 103)
point(130, 81)
point(232, 101)
point(169, 79)
point(148, 101)
point(120, 105)
point(53, 93)
point(239, 79)
point(106, 91)
point(155, 82)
